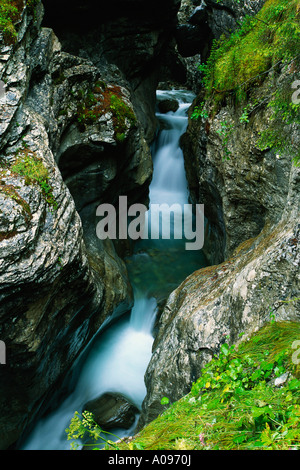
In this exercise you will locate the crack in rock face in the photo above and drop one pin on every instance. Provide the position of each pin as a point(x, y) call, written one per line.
point(58, 282)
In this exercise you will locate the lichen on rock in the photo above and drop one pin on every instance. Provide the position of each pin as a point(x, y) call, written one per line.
point(251, 199)
point(58, 282)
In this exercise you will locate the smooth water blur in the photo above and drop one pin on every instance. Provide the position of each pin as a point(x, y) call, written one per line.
point(169, 184)
point(118, 358)
point(116, 363)
point(159, 266)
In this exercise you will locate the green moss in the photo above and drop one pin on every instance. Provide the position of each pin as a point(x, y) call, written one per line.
point(29, 166)
point(10, 13)
point(234, 405)
point(284, 114)
point(267, 43)
point(121, 113)
point(102, 99)
point(237, 62)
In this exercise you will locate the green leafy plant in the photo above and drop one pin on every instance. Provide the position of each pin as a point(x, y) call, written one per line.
point(284, 113)
point(84, 431)
point(235, 403)
point(198, 111)
point(29, 166)
point(225, 132)
point(245, 115)
point(164, 401)
point(263, 44)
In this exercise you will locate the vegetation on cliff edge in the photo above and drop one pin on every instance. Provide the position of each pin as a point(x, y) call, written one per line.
point(268, 43)
point(247, 398)
point(29, 166)
point(100, 100)
point(10, 13)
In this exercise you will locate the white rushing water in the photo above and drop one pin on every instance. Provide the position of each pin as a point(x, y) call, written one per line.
point(119, 357)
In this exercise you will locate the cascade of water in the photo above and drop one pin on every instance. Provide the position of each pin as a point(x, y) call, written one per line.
point(169, 183)
point(118, 358)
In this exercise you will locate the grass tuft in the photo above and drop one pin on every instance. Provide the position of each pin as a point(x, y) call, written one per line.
point(265, 45)
point(236, 404)
point(10, 13)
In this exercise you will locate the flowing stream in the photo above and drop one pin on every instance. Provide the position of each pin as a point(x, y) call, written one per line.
point(117, 359)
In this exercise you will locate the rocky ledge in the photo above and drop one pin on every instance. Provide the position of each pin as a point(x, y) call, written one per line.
point(252, 202)
point(70, 140)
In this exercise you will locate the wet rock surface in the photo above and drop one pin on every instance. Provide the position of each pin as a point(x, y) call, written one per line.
point(252, 203)
point(165, 106)
point(62, 154)
point(112, 410)
point(202, 21)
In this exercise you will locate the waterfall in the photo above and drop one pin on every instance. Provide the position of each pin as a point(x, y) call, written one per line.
point(169, 184)
point(118, 358)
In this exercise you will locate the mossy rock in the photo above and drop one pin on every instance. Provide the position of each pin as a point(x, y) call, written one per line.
point(166, 106)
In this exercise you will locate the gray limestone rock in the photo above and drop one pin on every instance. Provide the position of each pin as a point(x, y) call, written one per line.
point(216, 304)
point(58, 282)
point(112, 410)
point(252, 204)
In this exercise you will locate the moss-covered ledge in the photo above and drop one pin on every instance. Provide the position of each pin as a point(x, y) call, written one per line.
point(10, 14)
point(247, 398)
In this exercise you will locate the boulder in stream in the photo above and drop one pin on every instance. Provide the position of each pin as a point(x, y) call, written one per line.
point(112, 410)
point(167, 105)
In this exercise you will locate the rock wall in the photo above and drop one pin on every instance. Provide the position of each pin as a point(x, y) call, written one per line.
point(127, 39)
point(202, 21)
point(66, 147)
point(252, 204)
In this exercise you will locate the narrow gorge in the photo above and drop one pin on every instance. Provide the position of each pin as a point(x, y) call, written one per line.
point(105, 101)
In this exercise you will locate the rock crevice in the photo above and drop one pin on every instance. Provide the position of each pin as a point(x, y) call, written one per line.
point(72, 138)
point(252, 203)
